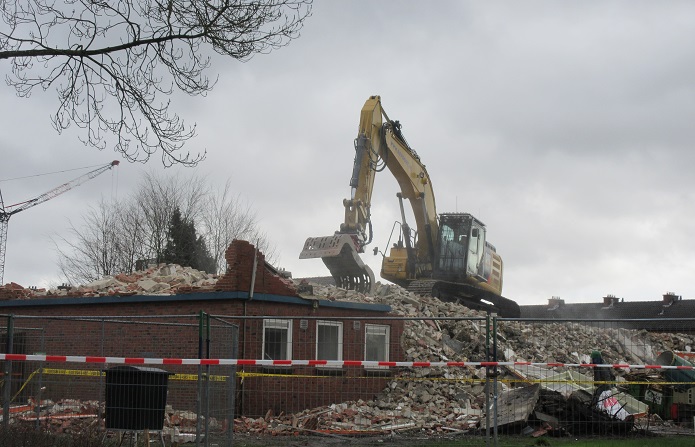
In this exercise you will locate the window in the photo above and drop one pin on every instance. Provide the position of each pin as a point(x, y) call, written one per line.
point(376, 342)
point(329, 340)
point(452, 248)
point(475, 248)
point(277, 339)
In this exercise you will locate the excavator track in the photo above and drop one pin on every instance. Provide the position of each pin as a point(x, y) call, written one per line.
point(467, 295)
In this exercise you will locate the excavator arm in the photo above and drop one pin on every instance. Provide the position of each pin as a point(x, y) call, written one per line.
point(379, 145)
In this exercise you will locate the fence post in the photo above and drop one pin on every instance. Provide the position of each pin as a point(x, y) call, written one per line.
point(487, 380)
point(7, 384)
point(39, 395)
point(231, 387)
point(207, 381)
point(494, 373)
point(102, 376)
point(198, 403)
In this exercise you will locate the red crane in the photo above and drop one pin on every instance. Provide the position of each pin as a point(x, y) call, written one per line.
point(10, 210)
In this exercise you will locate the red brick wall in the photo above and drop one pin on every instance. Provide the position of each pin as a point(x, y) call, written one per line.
point(240, 255)
point(162, 339)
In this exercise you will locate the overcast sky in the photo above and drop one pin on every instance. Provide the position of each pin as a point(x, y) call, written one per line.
point(567, 127)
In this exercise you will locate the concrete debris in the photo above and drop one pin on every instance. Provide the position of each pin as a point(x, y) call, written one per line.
point(361, 417)
point(64, 416)
point(464, 340)
point(162, 279)
point(172, 279)
point(516, 406)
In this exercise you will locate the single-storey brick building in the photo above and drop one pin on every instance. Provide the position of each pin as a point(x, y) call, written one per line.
point(266, 320)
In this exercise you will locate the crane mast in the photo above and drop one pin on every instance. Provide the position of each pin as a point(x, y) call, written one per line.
point(11, 210)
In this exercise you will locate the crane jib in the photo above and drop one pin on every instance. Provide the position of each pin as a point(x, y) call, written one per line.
point(21, 206)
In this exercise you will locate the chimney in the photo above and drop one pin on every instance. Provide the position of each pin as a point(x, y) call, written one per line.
point(670, 298)
point(609, 301)
point(555, 303)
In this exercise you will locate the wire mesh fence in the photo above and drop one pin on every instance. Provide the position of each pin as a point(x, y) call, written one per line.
point(235, 380)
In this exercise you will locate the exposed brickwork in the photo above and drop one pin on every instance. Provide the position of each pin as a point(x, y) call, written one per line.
point(240, 270)
point(239, 256)
point(13, 291)
point(257, 394)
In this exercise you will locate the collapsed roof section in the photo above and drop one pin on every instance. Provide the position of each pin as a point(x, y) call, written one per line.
point(172, 279)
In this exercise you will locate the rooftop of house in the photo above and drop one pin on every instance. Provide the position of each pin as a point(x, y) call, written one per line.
point(671, 312)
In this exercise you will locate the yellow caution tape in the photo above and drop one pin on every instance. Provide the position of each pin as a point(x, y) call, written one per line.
point(194, 377)
point(99, 373)
point(244, 375)
point(72, 372)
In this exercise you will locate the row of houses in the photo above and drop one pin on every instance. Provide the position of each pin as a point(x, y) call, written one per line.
point(669, 314)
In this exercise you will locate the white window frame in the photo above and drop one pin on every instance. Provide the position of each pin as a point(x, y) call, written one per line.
point(339, 325)
point(378, 329)
point(278, 323)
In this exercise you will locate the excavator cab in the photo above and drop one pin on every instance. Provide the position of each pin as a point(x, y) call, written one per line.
point(459, 246)
point(463, 254)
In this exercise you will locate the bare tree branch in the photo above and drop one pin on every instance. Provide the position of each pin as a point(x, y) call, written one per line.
point(113, 236)
point(112, 62)
point(225, 217)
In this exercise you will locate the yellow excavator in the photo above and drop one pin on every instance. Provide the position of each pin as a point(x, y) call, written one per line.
point(447, 256)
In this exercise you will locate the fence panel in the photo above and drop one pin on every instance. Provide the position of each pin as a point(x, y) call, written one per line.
point(227, 380)
point(643, 381)
point(61, 394)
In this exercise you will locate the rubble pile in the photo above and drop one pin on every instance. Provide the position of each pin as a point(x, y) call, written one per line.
point(436, 400)
point(429, 400)
point(360, 417)
point(64, 416)
point(465, 340)
point(162, 279)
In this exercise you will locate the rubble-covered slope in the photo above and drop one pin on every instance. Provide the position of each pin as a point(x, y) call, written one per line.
point(452, 400)
point(439, 399)
point(460, 333)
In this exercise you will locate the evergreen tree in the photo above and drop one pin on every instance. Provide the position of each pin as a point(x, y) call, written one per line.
point(203, 259)
point(184, 247)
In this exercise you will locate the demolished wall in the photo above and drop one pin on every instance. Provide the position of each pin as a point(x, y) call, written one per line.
point(172, 279)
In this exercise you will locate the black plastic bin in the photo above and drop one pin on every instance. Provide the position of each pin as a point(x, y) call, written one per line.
point(136, 397)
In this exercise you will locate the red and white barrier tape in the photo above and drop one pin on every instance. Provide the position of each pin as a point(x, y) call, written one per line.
point(335, 363)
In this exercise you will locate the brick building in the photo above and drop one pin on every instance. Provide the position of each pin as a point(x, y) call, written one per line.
point(267, 321)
